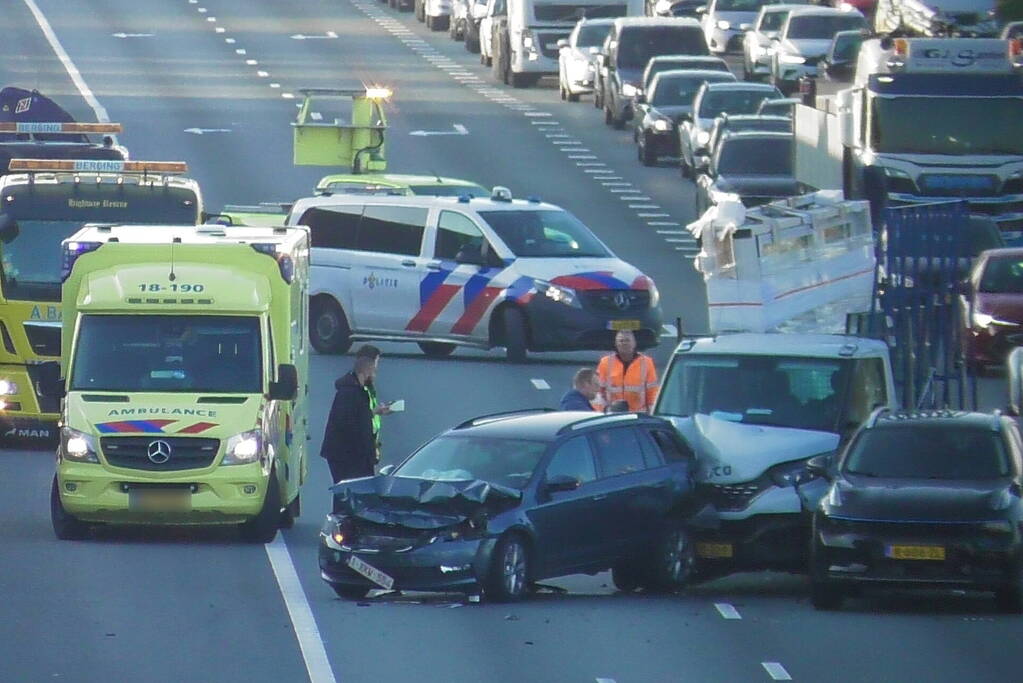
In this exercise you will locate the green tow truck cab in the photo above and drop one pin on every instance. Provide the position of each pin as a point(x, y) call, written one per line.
point(185, 369)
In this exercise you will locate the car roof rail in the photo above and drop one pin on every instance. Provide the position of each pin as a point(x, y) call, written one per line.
point(876, 415)
point(494, 417)
point(600, 419)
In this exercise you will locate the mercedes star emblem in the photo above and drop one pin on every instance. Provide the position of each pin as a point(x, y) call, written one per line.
point(159, 452)
point(622, 300)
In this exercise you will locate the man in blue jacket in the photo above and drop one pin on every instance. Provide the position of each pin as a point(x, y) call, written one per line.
point(584, 390)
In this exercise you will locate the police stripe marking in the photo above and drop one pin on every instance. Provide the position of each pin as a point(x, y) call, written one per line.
point(474, 311)
point(432, 307)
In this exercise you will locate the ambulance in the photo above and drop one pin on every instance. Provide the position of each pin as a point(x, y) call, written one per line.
point(184, 361)
point(45, 201)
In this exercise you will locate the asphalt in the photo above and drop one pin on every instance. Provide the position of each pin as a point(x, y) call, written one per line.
point(172, 605)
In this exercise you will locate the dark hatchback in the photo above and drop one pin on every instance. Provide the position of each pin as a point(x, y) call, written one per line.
point(925, 499)
point(500, 502)
point(755, 165)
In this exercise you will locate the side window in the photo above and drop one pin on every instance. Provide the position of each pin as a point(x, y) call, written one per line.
point(392, 229)
point(672, 446)
point(868, 388)
point(333, 227)
point(771, 22)
point(573, 459)
point(618, 452)
point(454, 231)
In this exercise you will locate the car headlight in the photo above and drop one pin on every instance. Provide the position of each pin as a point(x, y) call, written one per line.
point(791, 59)
point(244, 448)
point(663, 125)
point(662, 6)
point(563, 295)
point(337, 532)
point(528, 41)
point(702, 137)
point(834, 497)
point(77, 446)
point(724, 25)
point(982, 320)
point(894, 172)
point(788, 473)
point(7, 387)
point(629, 90)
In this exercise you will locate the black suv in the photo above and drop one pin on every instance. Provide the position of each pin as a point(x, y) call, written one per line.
point(502, 501)
point(923, 499)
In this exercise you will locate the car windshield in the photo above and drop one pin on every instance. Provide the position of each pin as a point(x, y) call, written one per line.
point(911, 451)
point(755, 124)
point(638, 44)
point(782, 391)
point(846, 48)
point(168, 353)
point(742, 5)
point(656, 66)
point(681, 90)
point(1002, 275)
point(592, 35)
point(508, 462)
point(573, 12)
point(544, 233)
point(450, 190)
point(717, 102)
point(951, 125)
point(755, 156)
point(823, 27)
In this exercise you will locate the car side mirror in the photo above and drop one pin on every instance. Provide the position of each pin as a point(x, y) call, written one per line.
point(48, 381)
point(562, 42)
point(561, 482)
point(386, 470)
point(819, 466)
point(8, 228)
point(286, 386)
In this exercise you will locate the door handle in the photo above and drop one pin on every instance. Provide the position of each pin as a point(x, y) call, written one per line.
point(599, 496)
point(409, 264)
point(433, 266)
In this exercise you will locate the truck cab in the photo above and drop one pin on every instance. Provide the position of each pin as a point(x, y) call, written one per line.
point(755, 407)
point(184, 359)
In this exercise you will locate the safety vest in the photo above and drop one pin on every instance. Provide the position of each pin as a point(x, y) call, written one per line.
point(636, 383)
point(371, 391)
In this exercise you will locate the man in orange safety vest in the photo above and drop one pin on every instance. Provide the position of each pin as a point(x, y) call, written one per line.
point(627, 375)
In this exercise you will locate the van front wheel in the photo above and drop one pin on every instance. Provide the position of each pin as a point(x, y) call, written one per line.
point(65, 526)
point(329, 331)
point(263, 527)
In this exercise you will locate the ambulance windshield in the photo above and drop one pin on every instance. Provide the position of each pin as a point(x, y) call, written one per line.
point(168, 353)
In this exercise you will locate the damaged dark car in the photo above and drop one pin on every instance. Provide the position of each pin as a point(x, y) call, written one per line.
point(500, 502)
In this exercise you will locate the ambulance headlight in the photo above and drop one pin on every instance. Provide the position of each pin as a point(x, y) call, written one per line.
point(8, 388)
point(563, 295)
point(77, 446)
point(244, 448)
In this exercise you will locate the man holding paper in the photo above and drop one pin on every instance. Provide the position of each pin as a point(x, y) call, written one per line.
point(372, 353)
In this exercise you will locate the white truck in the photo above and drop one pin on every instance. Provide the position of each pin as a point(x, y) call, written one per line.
point(936, 18)
point(926, 120)
point(524, 41)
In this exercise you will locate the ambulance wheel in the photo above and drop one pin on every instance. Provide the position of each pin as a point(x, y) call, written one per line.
point(291, 512)
point(328, 327)
point(436, 349)
point(65, 526)
point(515, 340)
point(263, 527)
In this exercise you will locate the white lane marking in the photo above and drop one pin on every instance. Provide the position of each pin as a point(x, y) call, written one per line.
point(309, 641)
point(670, 331)
point(543, 123)
point(229, 41)
point(241, 51)
point(643, 206)
point(582, 156)
point(726, 610)
point(459, 129)
point(776, 671)
point(635, 198)
point(592, 164)
point(565, 142)
point(275, 85)
point(653, 215)
point(132, 35)
point(288, 95)
point(540, 384)
point(573, 149)
point(251, 62)
point(605, 680)
point(673, 223)
point(616, 184)
point(263, 74)
point(540, 114)
point(202, 10)
point(601, 171)
point(76, 77)
point(671, 232)
point(220, 29)
point(558, 135)
point(212, 20)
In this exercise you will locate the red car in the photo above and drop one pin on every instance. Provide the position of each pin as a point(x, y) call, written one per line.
point(992, 300)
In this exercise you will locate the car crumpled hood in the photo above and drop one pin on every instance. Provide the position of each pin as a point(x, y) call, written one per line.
point(419, 503)
point(806, 47)
point(1007, 307)
point(749, 450)
point(915, 501)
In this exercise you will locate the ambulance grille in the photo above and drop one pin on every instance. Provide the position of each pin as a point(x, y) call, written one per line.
point(132, 452)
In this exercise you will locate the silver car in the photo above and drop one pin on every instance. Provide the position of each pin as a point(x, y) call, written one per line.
point(756, 43)
point(577, 57)
point(804, 40)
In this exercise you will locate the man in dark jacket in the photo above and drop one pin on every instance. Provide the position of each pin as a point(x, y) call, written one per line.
point(584, 389)
point(349, 444)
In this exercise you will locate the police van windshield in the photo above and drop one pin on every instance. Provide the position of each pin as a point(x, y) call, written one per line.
point(165, 353)
point(508, 462)
point(544, 233)
point(781, 391)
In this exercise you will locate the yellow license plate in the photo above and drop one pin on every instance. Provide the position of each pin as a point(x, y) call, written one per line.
point(714, 550)
point(623, 325)
point(160, 500)
point(915, 552)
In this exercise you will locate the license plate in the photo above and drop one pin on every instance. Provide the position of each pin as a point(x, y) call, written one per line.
point(915, 552)
point(370, 572)
point(714, 550)
point(160, 500)
point(623, 325)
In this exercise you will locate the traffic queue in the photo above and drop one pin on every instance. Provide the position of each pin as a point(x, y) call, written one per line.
point(180, 390)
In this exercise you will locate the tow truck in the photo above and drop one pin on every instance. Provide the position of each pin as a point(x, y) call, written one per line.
point(45, 201)
point(926, 120)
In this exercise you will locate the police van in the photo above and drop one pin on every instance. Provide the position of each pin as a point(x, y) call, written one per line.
point(480, 272)
point(185, 357)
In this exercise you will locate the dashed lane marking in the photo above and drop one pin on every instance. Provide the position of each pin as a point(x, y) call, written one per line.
point(727, 610)
point(540, 384)
point(776, 671)
point(652, 215)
